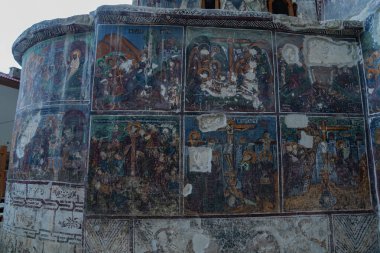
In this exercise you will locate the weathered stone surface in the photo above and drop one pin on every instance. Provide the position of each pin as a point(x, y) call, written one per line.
point(356, 233)
point(43, 216)
point(108, 235)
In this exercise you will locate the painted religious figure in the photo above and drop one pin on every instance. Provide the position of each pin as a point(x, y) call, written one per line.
point(230, 164)
point(324, 164)
point(50, 144)
point(134, 165)
point(138, 68)
point(318, 74)
point(56, 71)
point(229, 70)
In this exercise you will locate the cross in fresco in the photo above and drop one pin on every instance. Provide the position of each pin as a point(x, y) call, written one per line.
point(231, 127)
point(324, 129)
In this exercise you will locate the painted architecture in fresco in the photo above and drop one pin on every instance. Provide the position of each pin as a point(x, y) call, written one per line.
point(50, 144)
point(57, 70)
point(230, 164)
point(134, 165)
point(324, 164)
point(229, 70)
point(318, 74)
point(138, 68)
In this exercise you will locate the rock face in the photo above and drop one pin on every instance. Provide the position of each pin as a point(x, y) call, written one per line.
point(145, 129)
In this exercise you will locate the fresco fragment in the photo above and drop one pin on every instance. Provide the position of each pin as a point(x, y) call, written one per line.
point(134, 165)
point(330, 173)
point(229, 70)
point(318, 74)
point(235, 166)
point(138, 67)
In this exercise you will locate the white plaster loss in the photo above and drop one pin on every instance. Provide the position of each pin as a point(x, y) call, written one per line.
point(321, 51)
point(296, 121)
point(306, 140)
point(211, 122)
point(27, 135)
point(200, 243)
point(200, 159)
point(187, 190)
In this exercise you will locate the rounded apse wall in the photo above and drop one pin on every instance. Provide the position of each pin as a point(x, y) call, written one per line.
point(173, 130)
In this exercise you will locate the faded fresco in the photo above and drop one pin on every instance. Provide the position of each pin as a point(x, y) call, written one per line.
point(43, 217)
point(134, 165)
point(356, 233)
point(307, 9)
point(229, 70)
point(374, 126)
point(348, 9)
point(318, 74)
point(138, 68)
point(57, 70)
point(230, 164)
point(370, 41)
point(50, 144)
point(324, 164)
point(183, 4)
point(239, 235)
point(244, 5)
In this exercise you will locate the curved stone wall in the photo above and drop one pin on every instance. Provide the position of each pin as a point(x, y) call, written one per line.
point(169, 130)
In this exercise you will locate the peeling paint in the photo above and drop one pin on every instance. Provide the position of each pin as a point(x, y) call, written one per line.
point(306, 140)
point(321, 51)
point(296, 121)
point(200, 159)
point(211, 122)
point(187, 190)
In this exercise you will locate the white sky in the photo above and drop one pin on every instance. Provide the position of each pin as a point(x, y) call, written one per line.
point(17, 16)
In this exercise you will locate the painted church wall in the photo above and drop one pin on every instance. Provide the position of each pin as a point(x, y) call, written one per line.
point(179, 138)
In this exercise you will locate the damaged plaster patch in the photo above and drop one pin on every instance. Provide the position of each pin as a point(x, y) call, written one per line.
point(321, 51)
point(200, 243)
point(306, 140)
point(27, 135)
point(211, 122)
point(290, 53)
point(200, 159)
point(187, 190)
point(296, 121)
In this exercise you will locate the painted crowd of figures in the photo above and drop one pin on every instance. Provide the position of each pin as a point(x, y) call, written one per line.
point(161, 164)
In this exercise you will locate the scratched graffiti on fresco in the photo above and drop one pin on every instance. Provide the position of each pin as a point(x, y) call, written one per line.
point(324, 164)
point(231, 169)
point(50, 144)
point(229, 70)
point(134, 165)
point(318, 74)
point(138, 67)
point(56, 70)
